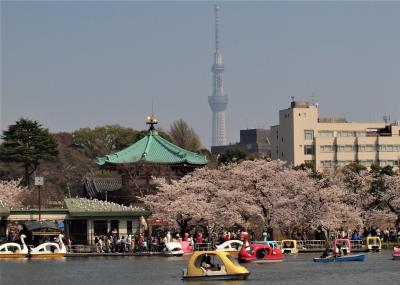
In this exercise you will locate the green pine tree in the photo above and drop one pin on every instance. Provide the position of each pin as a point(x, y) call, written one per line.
point(28, 143)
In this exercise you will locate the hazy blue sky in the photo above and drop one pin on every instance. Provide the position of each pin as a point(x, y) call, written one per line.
point(78, 64)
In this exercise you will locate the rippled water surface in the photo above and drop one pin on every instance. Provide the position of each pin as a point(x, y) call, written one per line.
point(378, 268)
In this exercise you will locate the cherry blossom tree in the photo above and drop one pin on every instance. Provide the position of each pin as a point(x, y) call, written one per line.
point(260, 192)
point(391, 196)
point(374, 218)
point(204, 197)
point(12, 194)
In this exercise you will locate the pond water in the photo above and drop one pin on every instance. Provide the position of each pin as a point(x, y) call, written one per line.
point(378, 268)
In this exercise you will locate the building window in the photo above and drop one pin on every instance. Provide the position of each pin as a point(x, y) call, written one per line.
point(389, 148)
point(308, 149)
point(308, 134)
point(129, 227)
point(345, 133)
point(366, 148)
point(328, 163)
point(327, 148)
point(326, 134)
point(384, 163)
point(366, 163)
point(346, 148)
point(100, 227)
point(342, 163)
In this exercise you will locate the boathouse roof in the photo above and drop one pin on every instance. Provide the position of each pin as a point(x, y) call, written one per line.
point(82, 207)
point(79, 207)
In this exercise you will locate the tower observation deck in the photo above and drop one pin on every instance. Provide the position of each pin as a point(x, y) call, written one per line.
point(218, 101)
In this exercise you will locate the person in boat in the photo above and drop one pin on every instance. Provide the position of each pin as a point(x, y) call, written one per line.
point(288, 245)
point(206, 263)
point(340, 250)
point(265, 235)
point(190, 240)
point(69, 244)
point(328, 253)
point(261, 253)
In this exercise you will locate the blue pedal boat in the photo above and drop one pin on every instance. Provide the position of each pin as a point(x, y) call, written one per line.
point(356, 257)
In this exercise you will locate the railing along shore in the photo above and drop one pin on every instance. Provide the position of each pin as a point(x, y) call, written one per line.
point(304, 246)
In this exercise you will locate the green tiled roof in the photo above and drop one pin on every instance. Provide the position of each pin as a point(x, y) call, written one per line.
point(4, 209)
point(82, 207)
point(153, 149)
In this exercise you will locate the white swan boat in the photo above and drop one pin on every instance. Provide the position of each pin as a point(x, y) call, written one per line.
point(49, 249)
point(231, 246)
point(14, 250)
point(173, 249)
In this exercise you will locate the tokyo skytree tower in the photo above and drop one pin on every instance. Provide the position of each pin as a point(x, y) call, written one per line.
point(218, 101)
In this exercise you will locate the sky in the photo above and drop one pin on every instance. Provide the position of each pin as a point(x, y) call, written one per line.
point(80, 64)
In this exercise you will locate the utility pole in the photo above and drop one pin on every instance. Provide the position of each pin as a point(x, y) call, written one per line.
point(39, 182)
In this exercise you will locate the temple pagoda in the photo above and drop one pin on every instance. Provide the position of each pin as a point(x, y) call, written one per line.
point(152, 156)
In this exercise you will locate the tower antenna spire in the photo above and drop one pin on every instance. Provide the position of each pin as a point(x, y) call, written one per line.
point(216, 7)
point(218, 101)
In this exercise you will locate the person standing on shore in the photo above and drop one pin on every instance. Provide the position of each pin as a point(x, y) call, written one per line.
point(199, 240)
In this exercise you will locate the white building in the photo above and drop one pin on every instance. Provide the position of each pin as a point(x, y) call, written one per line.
point(303, 137)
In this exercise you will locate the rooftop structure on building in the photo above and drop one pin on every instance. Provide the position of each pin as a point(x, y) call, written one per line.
point(218, 101)
point(252, 141)
point(302, 136)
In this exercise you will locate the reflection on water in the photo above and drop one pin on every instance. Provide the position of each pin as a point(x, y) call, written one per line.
point(217, 282)
point(378, 268)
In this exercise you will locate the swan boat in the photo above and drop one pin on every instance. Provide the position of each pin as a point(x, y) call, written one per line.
point(230, 246)
point(187, 247)
point(173, 249)
point(260, 253)
point(49, 249)
point(14, 250)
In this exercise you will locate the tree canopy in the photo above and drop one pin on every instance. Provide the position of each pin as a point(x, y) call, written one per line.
point(232, 155)
point(184, 136)
point(260, 193)
point(27, 142)
point(104, 140)
point(108, 139)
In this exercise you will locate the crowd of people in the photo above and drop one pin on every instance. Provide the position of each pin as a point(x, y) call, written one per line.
point(386, 235)
point(113, 242)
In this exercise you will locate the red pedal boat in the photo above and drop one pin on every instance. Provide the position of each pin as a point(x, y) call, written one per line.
point(396, 253)
point(259, 253)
